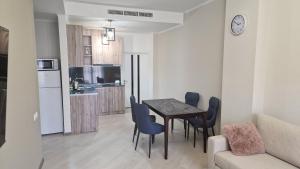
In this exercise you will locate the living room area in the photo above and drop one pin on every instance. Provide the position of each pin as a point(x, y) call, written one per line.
point(225, 89)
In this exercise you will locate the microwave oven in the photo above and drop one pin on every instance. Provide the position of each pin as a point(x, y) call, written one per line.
point(47, 64)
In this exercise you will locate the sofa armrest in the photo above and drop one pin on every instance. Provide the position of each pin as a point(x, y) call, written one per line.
point(215, 144)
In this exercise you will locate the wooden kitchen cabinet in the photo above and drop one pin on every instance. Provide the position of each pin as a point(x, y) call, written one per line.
point(106, 54)
point(85, 47)
point(83, 113)
point(75, 47)
point(97, 57)
point(111, 100)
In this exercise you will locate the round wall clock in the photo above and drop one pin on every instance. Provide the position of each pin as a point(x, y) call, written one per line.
point(238, 25)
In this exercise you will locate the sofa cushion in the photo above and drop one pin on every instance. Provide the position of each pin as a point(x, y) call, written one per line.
point(226, 160)
point(244, 139)
point(281, 139)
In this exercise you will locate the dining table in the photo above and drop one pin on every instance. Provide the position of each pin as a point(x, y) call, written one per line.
point(172, 108)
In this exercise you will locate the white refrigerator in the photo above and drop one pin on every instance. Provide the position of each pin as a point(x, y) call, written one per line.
point(51, 112)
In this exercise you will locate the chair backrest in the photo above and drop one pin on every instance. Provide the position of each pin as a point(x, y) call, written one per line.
point(213, 109)
point(132, 102)
point(143, 121)
point(192, 98)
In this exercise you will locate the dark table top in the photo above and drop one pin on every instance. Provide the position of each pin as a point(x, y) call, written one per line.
point(172, 108)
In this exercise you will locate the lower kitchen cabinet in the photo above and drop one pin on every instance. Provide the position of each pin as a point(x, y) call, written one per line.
point(84, 113)
point(111, 100)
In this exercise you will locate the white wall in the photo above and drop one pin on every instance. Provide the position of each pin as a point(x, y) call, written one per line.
point(47, 39)
point(277, 83)
point(189, 58)
point(260, 69)
point(22, 149)
point(238, 63)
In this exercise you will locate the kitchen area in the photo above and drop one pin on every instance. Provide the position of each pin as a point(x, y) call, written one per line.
point(95, 87)
point(94, 91)
point(94, 77)
point(93, 80)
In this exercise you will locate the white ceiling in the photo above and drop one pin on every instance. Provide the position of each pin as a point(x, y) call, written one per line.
point(164, 5)
point(47, 9)
point(120, 25)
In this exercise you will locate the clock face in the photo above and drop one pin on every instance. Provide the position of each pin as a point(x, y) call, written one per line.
point(238, 25)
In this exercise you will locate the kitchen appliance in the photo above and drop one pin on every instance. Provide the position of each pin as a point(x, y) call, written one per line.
point(50, 101)
point(107, 74)
point(47, 64)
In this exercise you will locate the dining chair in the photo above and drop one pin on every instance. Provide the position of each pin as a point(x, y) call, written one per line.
point(152, 117)
point(192, 99)
point(212, 112)
point(145, 125)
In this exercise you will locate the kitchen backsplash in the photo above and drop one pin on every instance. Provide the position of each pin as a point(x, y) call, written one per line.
point(86, 74)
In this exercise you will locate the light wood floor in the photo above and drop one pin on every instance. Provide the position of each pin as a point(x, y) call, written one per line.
point(111, 148)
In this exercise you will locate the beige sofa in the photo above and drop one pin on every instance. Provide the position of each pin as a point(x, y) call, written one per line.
point(282, 143)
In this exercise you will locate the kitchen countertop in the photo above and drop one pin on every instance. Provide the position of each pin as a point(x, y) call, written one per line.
point(98, 85)
point(83, 93)
point(90, 89)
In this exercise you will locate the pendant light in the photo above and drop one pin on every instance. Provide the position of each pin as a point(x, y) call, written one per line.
point(110, 32)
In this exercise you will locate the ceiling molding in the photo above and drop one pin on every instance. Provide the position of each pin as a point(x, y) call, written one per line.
point(198, 6)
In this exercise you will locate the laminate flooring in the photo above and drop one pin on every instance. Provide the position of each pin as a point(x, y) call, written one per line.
point(112, 148)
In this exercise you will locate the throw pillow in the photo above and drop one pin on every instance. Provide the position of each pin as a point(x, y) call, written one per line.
point(244, 139)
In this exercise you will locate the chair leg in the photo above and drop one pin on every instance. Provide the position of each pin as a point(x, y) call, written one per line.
point(213, 131)
point(150, 136)
point(153, 138)
point(137, 140)
point(194, 137)
point(134, 132)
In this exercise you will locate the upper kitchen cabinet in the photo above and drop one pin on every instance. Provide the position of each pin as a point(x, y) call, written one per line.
point(106, 54)
point(75, 45)
point(85, 47)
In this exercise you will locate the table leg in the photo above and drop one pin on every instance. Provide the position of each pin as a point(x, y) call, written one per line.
point(205, 132)
point(166, 136)
point(172, 125)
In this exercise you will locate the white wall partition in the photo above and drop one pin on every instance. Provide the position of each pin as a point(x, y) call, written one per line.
point(22, 148)
point(238, 63)
point(64, 72)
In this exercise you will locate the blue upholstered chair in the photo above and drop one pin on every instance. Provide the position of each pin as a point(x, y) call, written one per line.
point(132, 102)
point(145, 125)
point(213, 109)
point(191, 98)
